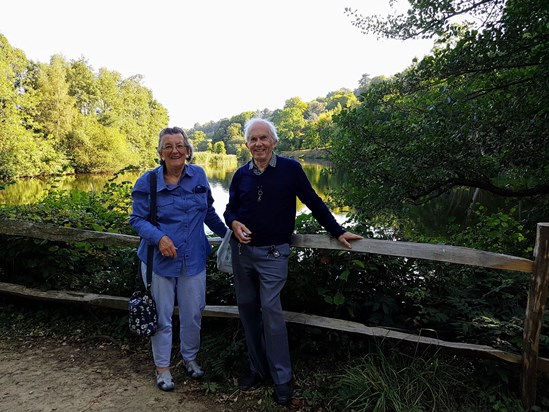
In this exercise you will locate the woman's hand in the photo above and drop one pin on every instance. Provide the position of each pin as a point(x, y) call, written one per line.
point(166, 247)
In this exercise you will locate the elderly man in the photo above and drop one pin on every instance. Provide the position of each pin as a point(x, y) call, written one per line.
point(261, 212)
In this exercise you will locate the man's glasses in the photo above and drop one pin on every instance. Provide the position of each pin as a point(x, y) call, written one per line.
point(169, 147)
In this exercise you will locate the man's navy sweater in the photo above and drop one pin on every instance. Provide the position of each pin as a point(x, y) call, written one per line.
point(272, 218)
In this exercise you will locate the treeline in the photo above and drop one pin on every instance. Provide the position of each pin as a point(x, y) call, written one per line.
point(63, 117)
point(300, 125)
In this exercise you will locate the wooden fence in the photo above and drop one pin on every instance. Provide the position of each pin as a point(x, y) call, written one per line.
point(537, 270)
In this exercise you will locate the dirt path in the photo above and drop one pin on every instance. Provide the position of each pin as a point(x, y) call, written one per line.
point(45, 376)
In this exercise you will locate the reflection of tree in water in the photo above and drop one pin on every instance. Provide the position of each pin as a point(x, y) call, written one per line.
point(33, 190)
point(432, 218)
point(457, 207)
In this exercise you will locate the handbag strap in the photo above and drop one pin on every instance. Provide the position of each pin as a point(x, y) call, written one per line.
point(152, 218)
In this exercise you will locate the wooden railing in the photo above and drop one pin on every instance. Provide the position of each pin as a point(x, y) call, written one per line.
point(538, 271)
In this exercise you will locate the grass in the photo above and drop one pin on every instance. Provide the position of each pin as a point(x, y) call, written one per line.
point(401, 383)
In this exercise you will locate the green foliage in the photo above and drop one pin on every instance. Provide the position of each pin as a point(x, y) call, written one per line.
point(290, 123)
point(62, 117)
point(80, 266)
point(218, 159)
point(396, 380)
point(219, 148)
point(498, 232)
point(243, 154)
point(447, 301)
point(476, 304)
point(224, 350)
point(365, 288)
point(462, 304)
point(472, 114)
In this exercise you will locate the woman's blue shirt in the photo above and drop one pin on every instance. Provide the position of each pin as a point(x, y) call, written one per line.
point(182, 211)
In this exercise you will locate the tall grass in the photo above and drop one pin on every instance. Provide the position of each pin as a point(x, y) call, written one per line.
point(204, 158)
point(399, 382)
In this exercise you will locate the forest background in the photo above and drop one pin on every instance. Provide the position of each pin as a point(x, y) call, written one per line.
point(472, 115)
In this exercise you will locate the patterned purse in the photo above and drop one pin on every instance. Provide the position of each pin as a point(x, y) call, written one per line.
point(142, 317)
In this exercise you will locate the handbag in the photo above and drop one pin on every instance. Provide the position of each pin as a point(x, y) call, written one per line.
point(142, 318)
point(224, 259)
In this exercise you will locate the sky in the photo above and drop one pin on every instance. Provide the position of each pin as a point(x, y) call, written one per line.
point(211, 59)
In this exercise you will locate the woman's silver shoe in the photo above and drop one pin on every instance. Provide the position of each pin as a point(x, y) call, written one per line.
point(194, 369)
point(164, 381)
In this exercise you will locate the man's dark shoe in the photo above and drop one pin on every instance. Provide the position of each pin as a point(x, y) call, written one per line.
point(283, 393)
point(249, 382)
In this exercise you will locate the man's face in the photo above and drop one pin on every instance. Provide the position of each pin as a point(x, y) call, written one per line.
point(260, 143)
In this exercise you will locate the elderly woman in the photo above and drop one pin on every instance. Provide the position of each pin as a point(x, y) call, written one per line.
point(184, 204)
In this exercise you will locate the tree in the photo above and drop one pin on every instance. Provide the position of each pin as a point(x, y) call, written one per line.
point(235, 137)
point(56, 111)
point(198, 140)
point(315, 108)
point(320, 132)
point(110, 99)
point(472, 114)
point(290, 123)
point(345, 98)
point(365, 82)
point(141, 118)
point(220, 132)
point(83, 86)
point(219, 148)
point(95, 148)
point(22, 152)
point(61, 117)
point(243, 154)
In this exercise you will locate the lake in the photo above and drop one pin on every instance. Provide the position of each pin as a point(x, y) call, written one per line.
point(28, 191)
point(433, 218)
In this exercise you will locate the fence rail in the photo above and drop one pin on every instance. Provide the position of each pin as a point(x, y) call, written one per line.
point(538, 270)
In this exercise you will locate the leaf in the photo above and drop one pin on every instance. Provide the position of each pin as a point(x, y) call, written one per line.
point(339, 299)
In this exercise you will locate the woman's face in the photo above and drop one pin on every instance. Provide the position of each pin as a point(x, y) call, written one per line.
point(173, 151)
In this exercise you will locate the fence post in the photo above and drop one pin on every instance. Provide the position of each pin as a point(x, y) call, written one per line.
point(537, 296)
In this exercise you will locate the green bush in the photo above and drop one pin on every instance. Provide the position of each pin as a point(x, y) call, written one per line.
point(78, 266)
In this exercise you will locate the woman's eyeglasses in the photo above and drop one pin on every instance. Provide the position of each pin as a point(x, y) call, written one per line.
point(169, 148)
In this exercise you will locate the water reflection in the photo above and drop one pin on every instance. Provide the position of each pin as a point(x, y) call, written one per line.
point(433, 218)
point(28, 191)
